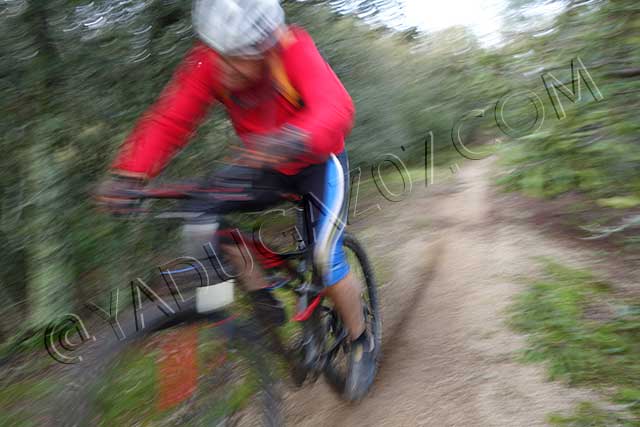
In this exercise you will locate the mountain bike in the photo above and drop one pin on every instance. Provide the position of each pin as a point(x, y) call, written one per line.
point(320, 345)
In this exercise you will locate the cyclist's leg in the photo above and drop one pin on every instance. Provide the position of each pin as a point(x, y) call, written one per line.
point(260, 190)
point(328, 187)
point(237, 189)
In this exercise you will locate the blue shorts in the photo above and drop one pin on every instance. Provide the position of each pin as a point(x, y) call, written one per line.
point(325, 184)
point(328, 186)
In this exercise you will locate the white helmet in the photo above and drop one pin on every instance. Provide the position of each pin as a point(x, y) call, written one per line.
point(238, 27)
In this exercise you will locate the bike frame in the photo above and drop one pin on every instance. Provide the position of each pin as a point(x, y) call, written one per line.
point(310, 294)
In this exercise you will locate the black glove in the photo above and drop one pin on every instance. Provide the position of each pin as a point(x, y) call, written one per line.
point(113, 195)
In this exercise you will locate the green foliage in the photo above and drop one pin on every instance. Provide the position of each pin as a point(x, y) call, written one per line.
point(15, 398)
point(594, 149)
point(586, 336)
point(620, 202)
point(590, 415)
point(128, 392)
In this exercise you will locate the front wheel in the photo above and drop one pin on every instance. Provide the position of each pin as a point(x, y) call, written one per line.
point(336, 365)
point(195, 370)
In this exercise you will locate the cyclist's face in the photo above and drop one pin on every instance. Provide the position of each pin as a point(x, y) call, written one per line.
point(240, 73)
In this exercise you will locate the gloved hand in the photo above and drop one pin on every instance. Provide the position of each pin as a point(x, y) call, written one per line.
point(112, 196)
point(272, 150)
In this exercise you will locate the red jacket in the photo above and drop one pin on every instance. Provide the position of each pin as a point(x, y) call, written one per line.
point(327, 115)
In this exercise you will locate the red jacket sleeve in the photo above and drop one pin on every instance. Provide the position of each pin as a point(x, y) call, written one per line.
point(328, 113)
point(169, 123)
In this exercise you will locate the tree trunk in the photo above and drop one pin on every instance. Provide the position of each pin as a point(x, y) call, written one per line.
point(49, 272)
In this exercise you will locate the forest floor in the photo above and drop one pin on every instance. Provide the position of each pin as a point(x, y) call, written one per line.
point(456, 254)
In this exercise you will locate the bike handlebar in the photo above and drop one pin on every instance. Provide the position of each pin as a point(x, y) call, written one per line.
point(178, 192)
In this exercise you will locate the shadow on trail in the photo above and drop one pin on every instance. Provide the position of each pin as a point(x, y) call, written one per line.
point(412, 301)
point(401, 309)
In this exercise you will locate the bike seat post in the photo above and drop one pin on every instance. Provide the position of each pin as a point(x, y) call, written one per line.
point(300, 226)
point(307, 221)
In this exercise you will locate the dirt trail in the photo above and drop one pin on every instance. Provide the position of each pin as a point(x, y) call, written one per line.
point(449, 359)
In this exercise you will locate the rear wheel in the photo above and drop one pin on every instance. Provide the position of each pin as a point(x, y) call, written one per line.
point(337, 341)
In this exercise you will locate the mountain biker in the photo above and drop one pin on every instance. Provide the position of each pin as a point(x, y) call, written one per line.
point(297, 141)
